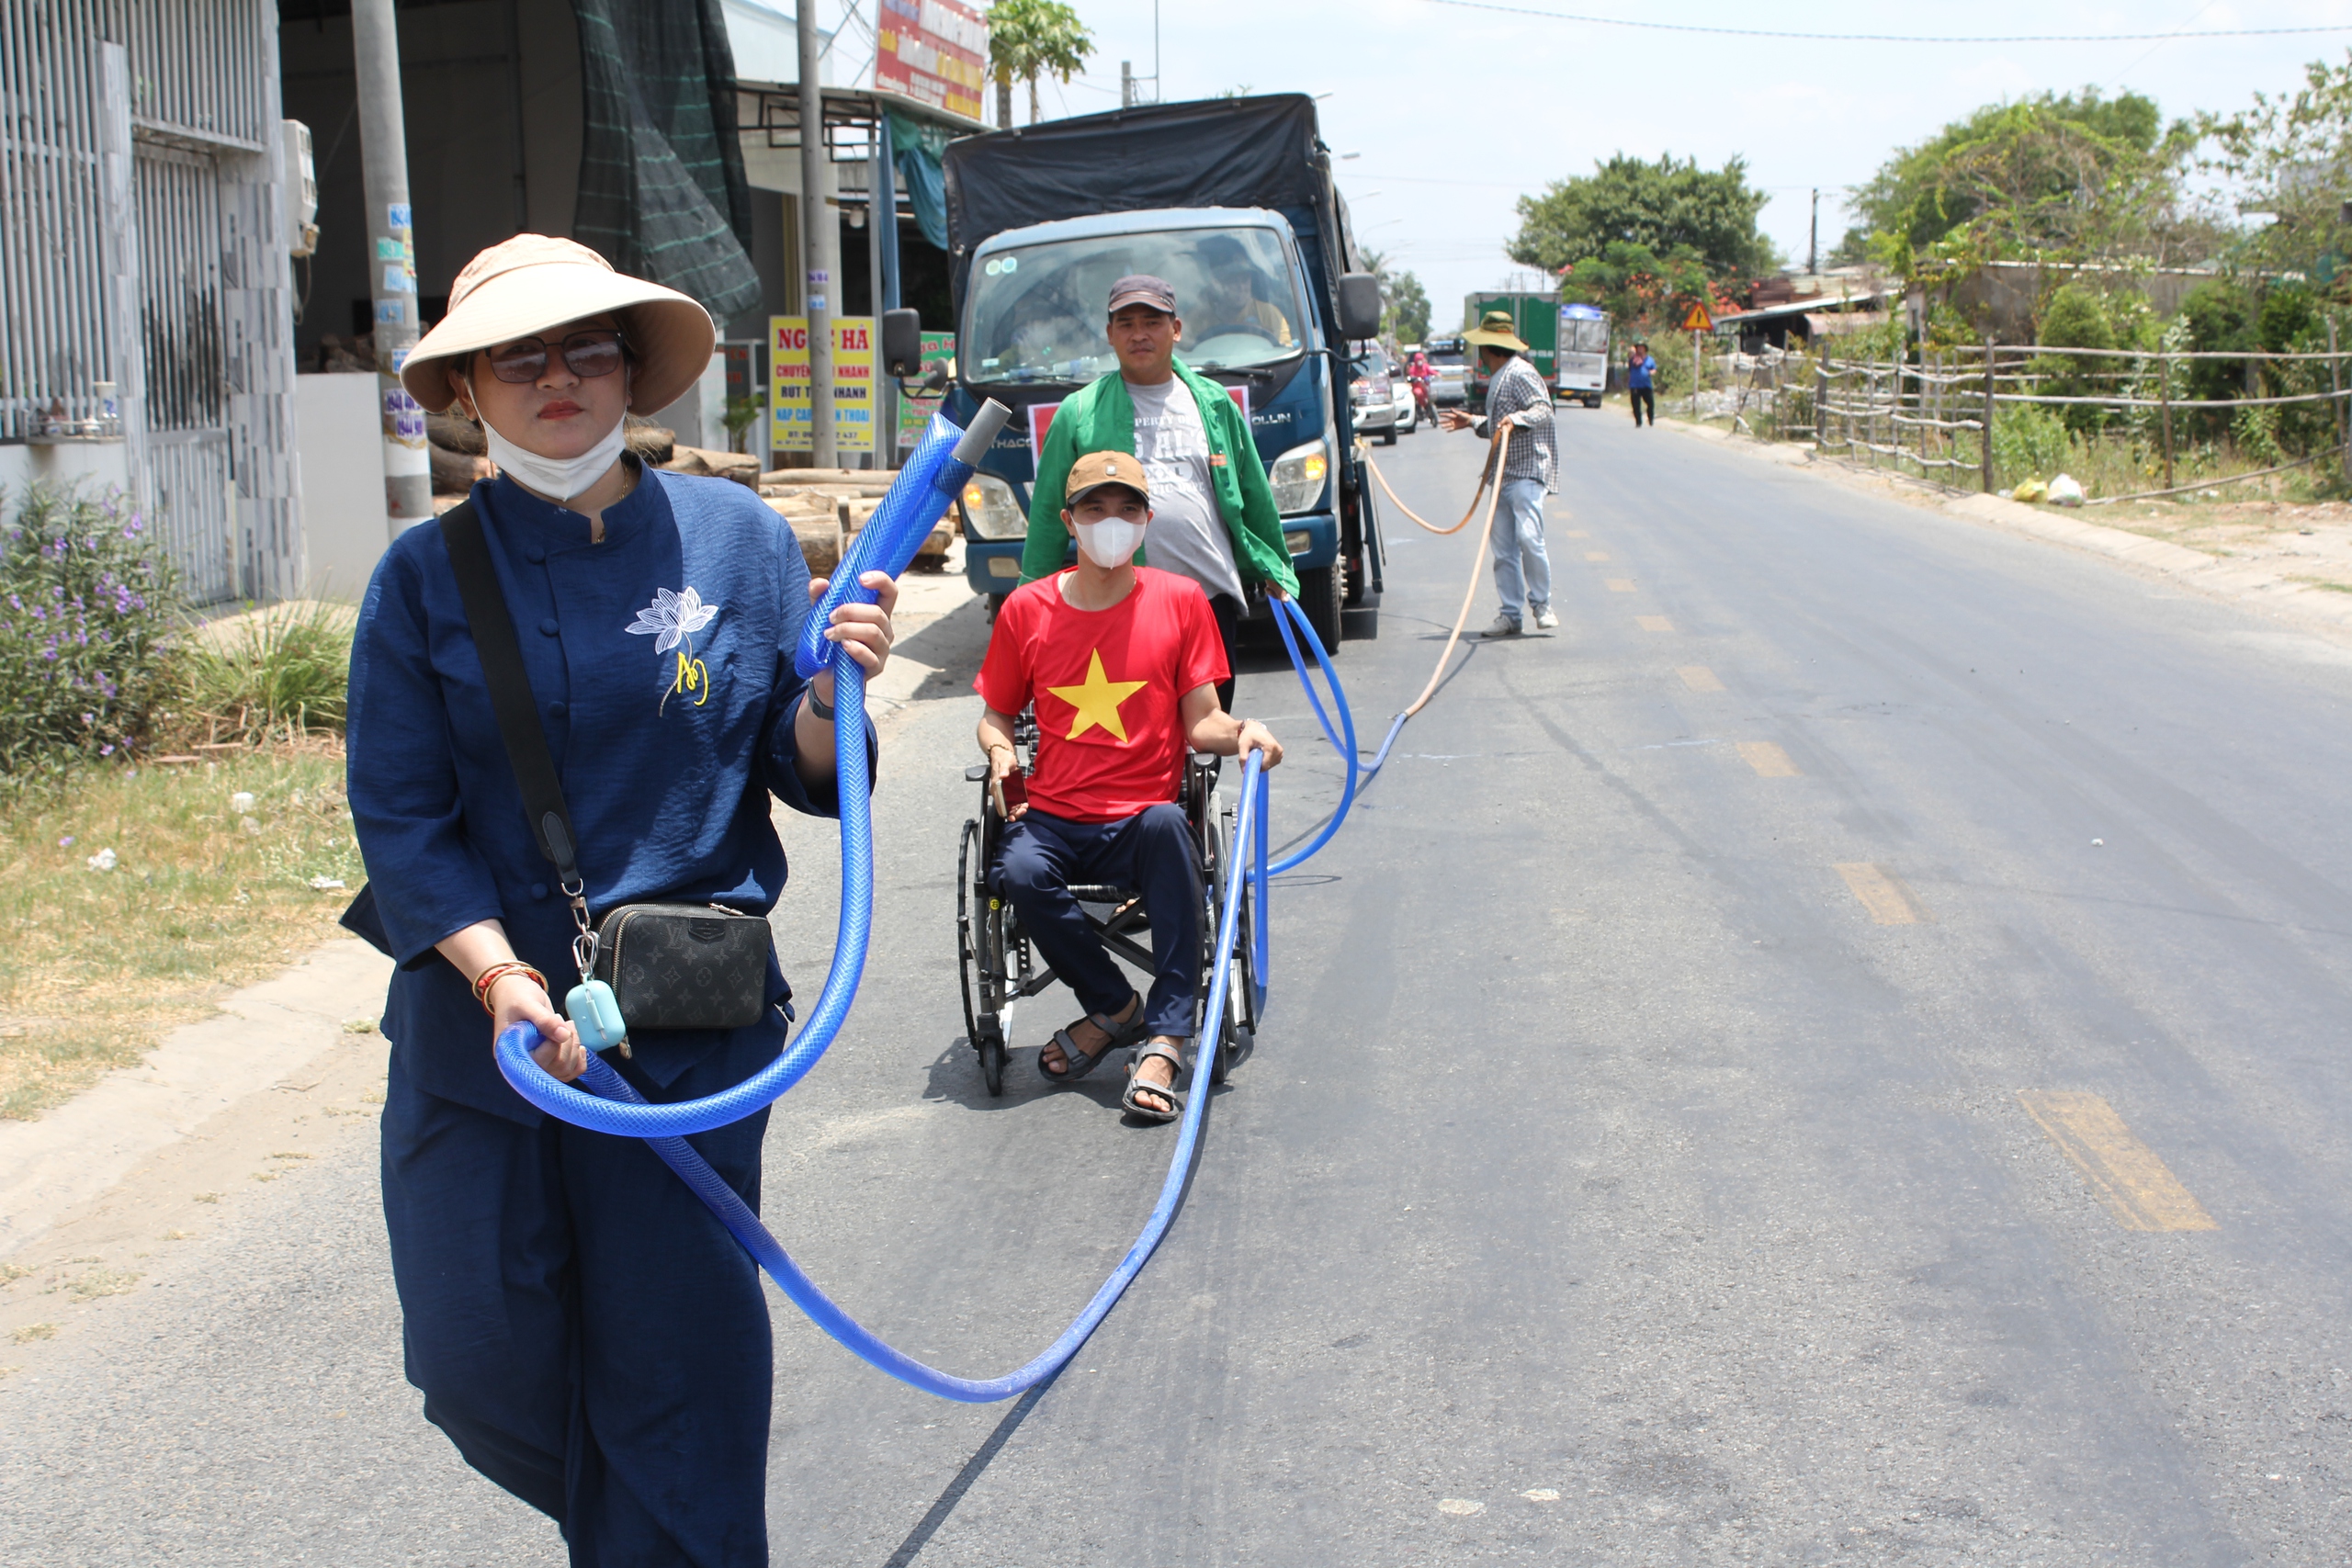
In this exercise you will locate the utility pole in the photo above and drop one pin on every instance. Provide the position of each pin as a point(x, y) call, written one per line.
point(1126, 84)
point(817, 243)
point(1812, 241)
point(879, 209)
point(392, 262)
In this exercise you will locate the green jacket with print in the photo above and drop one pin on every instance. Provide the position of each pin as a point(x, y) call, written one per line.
point(1102, 418)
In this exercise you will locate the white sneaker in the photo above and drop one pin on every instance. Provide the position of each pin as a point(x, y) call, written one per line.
point(1545, 620)
point(1503, 627)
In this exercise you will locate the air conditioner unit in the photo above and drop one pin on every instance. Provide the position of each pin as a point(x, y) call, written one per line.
point(301, 187)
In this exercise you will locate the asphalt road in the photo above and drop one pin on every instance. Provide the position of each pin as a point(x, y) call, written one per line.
point(1619, 1180)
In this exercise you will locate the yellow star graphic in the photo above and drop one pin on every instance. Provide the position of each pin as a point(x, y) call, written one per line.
point(1098, 700)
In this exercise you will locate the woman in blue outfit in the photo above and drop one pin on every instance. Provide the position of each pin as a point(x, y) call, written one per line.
point(583, 1328)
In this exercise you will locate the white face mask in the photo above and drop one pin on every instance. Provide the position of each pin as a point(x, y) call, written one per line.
point(561, 477)
point(1110, 544)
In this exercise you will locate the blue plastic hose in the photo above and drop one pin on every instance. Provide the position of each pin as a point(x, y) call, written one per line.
point(940, 465)
point(1286, 612)
point(515, 1045)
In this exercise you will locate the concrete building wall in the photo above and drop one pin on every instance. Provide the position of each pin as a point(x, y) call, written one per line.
point(490, 89)
point(341, 446)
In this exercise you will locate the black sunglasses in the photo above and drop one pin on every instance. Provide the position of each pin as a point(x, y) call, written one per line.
point(597, 351)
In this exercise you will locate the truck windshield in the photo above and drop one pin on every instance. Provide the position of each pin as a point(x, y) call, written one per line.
point(1583, 336)
point(1037, 311)
point(1446, 351)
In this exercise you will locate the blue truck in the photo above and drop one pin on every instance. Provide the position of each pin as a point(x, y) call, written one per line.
point(1232, 201)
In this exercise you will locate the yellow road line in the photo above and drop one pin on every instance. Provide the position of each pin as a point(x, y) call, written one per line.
point(1621, 585)
point(2136, 1187)
point(1767, 760)
point(1698, 678)
point(1574, 534)
point(1653, 623)
point(1596, 554)
point(1884, 894)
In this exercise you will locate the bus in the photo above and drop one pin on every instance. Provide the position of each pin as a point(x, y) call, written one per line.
point(1580, 357)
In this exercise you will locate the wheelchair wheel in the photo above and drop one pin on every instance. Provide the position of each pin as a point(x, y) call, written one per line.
point(1241, 991)
point(992, 1055)
point(1236, 1032)
point(967, 934)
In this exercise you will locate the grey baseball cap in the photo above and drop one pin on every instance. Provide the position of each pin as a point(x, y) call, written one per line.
point(1142, 288)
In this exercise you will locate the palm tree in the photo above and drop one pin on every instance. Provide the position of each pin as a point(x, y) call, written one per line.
point(1029, 39)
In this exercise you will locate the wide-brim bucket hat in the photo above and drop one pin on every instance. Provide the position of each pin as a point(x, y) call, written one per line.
point(1494, 331)
point(522, 287)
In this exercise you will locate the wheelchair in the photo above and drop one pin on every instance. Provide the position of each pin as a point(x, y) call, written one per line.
point(999, 969)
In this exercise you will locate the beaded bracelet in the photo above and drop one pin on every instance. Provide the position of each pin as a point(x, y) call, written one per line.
point(497, 972)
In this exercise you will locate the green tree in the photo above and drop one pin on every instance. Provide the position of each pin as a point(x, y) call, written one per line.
point(2075, 176)
point(1637, 285)
point(1029, 39)
point(1666, 206)
point(1403, 303)
point(2290, 156)
point(1407, 309)
point(2078, 316)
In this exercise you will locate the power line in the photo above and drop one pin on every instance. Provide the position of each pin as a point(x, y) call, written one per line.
point(1887, 37)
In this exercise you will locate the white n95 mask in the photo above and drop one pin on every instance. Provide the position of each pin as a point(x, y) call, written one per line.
point(1110, 544)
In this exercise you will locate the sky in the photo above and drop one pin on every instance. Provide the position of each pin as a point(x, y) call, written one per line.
point(1453, 113)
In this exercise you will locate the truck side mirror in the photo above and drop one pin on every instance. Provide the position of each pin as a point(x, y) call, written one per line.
point(901, 343)
point(1359, 305)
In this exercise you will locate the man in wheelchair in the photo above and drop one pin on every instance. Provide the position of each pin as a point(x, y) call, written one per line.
point(1121, 663)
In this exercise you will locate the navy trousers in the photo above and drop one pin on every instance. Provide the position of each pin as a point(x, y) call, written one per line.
point(583, 1329)
point(1152, 852)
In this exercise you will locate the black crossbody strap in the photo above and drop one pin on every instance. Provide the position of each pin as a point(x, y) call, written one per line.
point(510, 691)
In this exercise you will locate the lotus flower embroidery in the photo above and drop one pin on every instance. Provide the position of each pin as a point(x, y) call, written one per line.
point(671, 618)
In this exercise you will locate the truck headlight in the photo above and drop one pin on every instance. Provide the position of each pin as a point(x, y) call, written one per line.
point(995, 514)
point(1297, 476)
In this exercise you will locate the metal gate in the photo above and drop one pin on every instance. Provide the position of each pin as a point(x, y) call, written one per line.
point(140, 244)
point(189, 485)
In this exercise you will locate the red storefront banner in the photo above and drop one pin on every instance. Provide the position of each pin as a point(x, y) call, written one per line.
point(934, 51)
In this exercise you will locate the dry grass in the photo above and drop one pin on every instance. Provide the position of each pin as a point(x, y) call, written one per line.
point(96, 966)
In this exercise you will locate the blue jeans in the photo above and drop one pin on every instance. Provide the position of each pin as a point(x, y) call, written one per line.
point(1521, 568)
point(1153, 853)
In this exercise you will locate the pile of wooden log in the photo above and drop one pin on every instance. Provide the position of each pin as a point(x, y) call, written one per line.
point(825, 506)
point(828, 506)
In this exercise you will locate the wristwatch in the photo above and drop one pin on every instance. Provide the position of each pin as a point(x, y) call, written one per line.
point(817, 705)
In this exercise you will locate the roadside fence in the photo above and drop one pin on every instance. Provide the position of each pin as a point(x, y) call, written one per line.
point(2134, 415)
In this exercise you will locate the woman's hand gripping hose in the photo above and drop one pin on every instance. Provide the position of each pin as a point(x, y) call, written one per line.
point(1248, 850)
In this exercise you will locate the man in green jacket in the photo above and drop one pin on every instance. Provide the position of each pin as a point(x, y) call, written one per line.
point(1214, 518)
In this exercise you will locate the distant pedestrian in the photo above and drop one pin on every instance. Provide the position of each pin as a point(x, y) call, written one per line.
point(1641, 372)
point(1530, 469)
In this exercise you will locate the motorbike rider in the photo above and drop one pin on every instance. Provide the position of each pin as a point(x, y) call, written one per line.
point(1419, 371)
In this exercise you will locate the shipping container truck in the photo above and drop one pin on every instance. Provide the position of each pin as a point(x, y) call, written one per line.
point(1535, 317)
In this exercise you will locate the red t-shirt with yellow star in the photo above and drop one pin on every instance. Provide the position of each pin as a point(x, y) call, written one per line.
point(1108, 685)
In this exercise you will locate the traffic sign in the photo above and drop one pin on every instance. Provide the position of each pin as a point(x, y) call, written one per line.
point(1696, 319)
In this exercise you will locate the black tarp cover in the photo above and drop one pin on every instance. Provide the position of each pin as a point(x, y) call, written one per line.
point(663, 193)
point(1261, 152)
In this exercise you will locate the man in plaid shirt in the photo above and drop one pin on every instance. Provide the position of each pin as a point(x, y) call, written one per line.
point(1517, 396)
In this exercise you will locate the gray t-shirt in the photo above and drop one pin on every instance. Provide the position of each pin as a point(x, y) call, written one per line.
point(1186, 535)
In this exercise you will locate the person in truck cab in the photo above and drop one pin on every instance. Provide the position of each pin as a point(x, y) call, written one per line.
point(1230, 299)
point(1215, 520)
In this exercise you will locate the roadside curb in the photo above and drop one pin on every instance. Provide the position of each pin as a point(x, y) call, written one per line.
point(2216, 577)
point(263, 1031)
